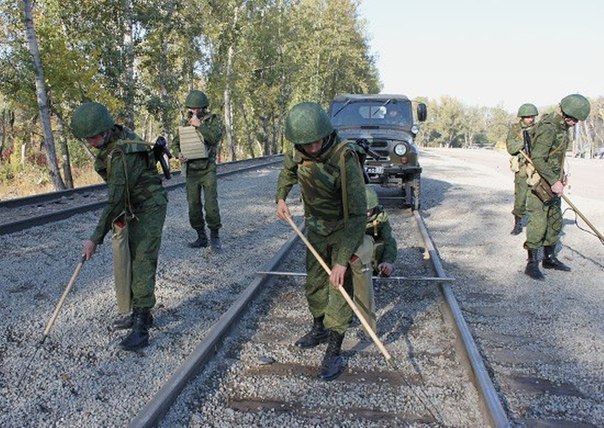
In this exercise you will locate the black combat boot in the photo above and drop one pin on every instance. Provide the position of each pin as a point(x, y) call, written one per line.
point(550, 261)
point(202, 239)
point(125, 322)
point(532, 267)
point(139, 335)
point(215, 243)
point(317, 335)
point(333, 363)
point(517, 230)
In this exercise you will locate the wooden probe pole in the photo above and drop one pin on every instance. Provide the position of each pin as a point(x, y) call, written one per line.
point(354, 307)
point(54, 316)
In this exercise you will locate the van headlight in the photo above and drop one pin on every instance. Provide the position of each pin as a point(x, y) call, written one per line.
point(400, 149)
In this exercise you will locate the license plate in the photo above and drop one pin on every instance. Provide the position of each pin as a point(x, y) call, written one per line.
point(374, 169)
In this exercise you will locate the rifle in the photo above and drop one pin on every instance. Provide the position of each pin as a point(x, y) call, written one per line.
point(161, 152)
point(366, 150)
point(527, 141)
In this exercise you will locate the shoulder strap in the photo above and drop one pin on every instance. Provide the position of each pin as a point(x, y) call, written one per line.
point(340, 155)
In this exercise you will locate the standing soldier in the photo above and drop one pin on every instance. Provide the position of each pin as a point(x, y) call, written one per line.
point(551, 139)
point(196, 145)
point(333, 193)
point(137, 203)
point(378, 227)
point(519, 136)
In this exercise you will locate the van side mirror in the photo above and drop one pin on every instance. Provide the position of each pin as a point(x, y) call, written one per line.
point(422, 112)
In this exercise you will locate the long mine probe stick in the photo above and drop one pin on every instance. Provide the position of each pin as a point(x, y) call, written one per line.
point(354, 307)
point(55, 314)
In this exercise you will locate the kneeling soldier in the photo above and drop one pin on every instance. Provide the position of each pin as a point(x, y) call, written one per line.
point(330, 178)
point(136, 208)
point(379, 228)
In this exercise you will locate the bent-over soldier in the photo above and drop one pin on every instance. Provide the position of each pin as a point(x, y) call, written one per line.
point(518, 138)
point(136, 207)
point(548, 151)
point(195, 146)
point(323, 165)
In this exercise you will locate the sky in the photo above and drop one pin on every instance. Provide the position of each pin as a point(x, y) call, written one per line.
point(488, 52)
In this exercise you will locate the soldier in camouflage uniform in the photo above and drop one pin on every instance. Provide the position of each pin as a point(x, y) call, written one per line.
point(136, 198)
point(549, 145)
point(378, 227)
point(515, 142)
point(330, 178)
point(201, 173)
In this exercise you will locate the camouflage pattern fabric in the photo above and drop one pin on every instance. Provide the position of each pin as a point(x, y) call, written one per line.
point(334, 239)
point(385, 246)
point(514, 143)
point(550, 141)
point(201, 176)
point(362, 281)
point(135, 189)
point(203, 180)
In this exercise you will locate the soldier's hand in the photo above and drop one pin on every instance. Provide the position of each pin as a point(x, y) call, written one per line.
point(182, 159)
point(282, 210)
point(558, 188)
point(89, 249)
point(385, 269)
point(337, 275)
point(194, 121)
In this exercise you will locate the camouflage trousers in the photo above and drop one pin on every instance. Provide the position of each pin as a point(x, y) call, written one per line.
point(144, 240)
point(323, 299)
point(521, 189)
point(544, 222)
point(203, 180)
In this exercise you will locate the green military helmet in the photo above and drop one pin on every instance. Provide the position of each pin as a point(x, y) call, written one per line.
point(91, 119)
point(307, 123)
point(575, 105)
point(527, 110)
point(372, 198)
point(196, 99)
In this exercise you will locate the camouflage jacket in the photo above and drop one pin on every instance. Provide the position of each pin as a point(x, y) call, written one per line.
point(550, 141)
point(127, 165)
point(378, 227)
point(322, 194)
point(211, 131)
point(515, 138)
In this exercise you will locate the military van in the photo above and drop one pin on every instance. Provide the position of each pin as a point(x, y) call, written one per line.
point(387, 125)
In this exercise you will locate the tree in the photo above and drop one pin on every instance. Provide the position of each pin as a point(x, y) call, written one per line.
point(49, 142)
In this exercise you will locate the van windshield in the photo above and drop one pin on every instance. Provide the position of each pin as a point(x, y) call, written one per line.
point(382, 113)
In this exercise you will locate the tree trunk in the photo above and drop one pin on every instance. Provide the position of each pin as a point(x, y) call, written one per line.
point(265, 142)
point(3, 135)
point(163, 78)
point(274, 136)
point(65, 152)
point(228, 106)
point(51, 156)
point(129, 87)
point(250, 138)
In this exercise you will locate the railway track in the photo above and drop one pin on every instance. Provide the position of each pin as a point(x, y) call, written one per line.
point(22, 213)
point(259, 378)
point(214, 336)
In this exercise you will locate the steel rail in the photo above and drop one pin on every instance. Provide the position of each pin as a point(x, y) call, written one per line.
point(41, 219)
point(154, 410)
point(491, 403)
point(49, 197)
